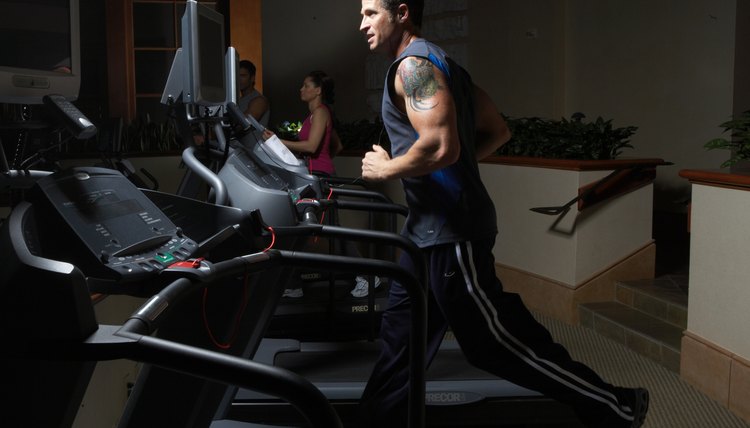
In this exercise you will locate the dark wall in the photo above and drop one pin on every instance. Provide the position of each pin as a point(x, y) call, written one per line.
point(92, 98)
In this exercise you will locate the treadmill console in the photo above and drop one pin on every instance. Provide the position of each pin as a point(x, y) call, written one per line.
point(96, 219)
point(259, 173)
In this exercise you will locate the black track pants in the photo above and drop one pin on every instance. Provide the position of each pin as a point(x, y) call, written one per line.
point(496, 332)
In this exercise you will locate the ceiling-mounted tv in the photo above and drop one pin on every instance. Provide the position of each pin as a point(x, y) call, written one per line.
point(204, 48)
point(40, 50)
point(202, 74)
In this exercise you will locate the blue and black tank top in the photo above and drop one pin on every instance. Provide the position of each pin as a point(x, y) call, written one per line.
point(450, 204)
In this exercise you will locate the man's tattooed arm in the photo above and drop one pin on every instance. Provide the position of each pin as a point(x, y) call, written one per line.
point(420, 85)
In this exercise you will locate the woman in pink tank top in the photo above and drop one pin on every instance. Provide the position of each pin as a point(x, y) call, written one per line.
point(318, 141)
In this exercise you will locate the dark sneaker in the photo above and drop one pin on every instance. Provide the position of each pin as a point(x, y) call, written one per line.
point(362, 287)
point(640, 407)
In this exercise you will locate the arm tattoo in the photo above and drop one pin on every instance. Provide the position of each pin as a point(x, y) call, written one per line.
point(420, 84)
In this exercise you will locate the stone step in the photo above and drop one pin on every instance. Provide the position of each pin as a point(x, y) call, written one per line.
point(645, 334)
point(665, 298)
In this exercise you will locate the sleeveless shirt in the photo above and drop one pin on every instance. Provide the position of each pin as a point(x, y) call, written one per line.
point(450, 204)
point(320, 161)
point(244, 102)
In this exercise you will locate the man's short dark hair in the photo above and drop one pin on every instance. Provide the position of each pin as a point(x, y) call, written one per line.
point(249, 66)
point(416, 9)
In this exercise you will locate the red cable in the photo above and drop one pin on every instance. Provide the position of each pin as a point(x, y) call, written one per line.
point(273, 238)
point(237, 320)
point(323, 216)
point(241, 311)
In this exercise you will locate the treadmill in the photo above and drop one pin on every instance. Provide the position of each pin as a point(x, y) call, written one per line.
point(84, 231)
point(248, 177)
point(89, 230)
point(244, 176)
point(456, 393)
point(283, 215)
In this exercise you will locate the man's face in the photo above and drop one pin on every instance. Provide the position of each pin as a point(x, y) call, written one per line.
point(378, 26)
point(245, 80)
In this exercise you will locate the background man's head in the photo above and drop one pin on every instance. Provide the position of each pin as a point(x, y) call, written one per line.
point(246, 76)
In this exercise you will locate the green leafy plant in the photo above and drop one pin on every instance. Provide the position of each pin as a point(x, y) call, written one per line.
point(566, 139)
point(739, 144)
point(289, 130)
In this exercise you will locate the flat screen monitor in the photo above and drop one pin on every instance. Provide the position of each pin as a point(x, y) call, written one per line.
point(203, 47)
point(40, 42)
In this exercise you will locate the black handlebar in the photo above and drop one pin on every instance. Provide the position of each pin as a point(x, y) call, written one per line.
point(132, 339)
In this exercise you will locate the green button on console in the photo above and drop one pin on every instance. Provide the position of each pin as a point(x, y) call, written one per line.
point(165, 258)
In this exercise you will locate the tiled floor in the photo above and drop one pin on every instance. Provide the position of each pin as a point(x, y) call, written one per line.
point(674, 402)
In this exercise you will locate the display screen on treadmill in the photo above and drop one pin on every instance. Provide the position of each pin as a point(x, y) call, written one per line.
point(97, 212)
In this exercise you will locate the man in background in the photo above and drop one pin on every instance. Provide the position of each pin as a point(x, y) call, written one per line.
point(251, 101)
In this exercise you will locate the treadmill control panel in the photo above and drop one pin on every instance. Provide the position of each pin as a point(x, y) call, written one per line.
point(103, 223)
point(258, 173)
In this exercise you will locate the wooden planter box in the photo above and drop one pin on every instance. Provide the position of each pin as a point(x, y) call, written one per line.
point(556, 262)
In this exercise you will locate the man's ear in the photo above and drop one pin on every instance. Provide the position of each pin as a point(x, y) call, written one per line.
point(403, 13)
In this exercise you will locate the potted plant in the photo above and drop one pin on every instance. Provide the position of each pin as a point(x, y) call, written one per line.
point(566, 139)
point(532, 137)
point(289, 130)
point(739, 144)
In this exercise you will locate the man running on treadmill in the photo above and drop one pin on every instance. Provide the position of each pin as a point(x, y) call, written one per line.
point(440, 124)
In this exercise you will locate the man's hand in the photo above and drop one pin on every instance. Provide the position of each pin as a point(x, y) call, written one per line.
point(374, 164)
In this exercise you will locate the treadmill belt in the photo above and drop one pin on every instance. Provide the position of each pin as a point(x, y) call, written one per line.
point(457, 394)
point(341, 366)
point(351, 365)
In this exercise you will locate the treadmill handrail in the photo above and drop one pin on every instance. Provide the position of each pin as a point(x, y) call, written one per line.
point(340, 191)
point(145, 319)
point(371, 206)
point(220, 190)
point(352, 181)
point(418, 304)
point(232, 370)
point(112, 342)
point(128, 341)
point(373, 236)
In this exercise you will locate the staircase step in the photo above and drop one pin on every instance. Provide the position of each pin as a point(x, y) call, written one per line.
point(665, 298)
point(645, 334)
